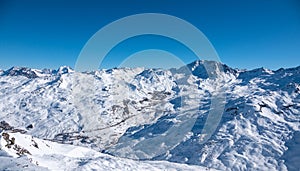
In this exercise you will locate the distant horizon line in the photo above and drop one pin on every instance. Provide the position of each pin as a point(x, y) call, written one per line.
point(99, 69)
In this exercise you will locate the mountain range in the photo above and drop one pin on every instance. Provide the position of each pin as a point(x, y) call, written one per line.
point(205, 115)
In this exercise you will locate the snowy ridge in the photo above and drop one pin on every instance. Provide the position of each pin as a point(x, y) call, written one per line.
point(132, 113)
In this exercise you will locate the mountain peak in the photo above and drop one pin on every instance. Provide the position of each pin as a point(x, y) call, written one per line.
point(205, 69)
point(64, 70)
point(21, 71)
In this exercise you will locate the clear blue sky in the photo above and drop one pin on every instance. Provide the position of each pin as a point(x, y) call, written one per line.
point(246, 33)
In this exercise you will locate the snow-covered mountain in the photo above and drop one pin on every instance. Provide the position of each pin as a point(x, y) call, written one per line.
point(205, 115)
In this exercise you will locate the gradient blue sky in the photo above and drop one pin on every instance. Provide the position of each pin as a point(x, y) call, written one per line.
point(246, 33)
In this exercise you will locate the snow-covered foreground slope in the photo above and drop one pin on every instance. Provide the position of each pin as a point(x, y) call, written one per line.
point(43, 155)
point(225, 119)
